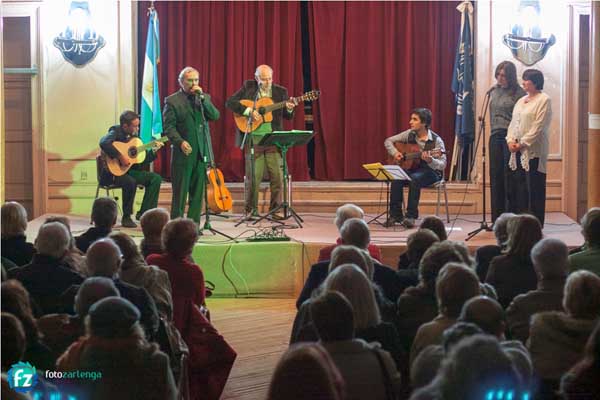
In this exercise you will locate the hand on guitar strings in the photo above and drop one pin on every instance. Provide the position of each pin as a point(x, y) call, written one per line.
point(399, 156)
point(124, 161)
point(426, 156)
point(256, 115)
point(186, 148)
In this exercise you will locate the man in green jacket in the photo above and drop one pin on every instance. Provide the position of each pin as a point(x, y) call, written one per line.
point(186, 115)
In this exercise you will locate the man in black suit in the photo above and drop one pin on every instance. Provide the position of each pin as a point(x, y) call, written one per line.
point(268, 157)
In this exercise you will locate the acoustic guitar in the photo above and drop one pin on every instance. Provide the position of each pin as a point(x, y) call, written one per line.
point(265, 106)
point(133, 150)
point(411, 155)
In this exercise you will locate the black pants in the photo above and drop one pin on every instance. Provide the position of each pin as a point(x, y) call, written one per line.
point(128, 183)
point(527, 190)
point(420, 178)
point(499, 155)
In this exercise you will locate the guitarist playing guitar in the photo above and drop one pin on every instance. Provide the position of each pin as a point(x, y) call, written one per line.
point(129, 128)
point(421, 152)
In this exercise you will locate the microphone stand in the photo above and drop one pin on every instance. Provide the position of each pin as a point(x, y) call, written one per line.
point(483, 226)
point(204, 123)
point(250, 141)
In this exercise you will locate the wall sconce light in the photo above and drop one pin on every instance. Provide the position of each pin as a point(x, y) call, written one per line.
point(526, 39)
point(79, 42)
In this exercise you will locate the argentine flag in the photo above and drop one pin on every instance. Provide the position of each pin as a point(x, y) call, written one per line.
point(151, 124)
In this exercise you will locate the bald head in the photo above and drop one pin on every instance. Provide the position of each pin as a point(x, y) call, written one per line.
point(53, 240)
point(355, 232)
point(486, 313)
point(103, 258)
point(264, 76)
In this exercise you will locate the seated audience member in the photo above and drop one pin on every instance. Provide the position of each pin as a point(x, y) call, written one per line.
point(581, 381)
point(14, 242)
point(15, 300)
point(512, 273)
point(485, 254)
point(418, 304)
point(61, 330)
point(103, 259)
point(550, 261)
point(475, 367)
point(153, 221)
point(557, 339)
point(342, 254)
point(589, 257)
point(104, 217)
point(434, 224)
point(135, 271)
point(368, 371)
point(488, 314)
point(426, 365)
point(46, 277)
point(455, 284)
point(343, 214)
point(416, 245)
point(115, 345)
point(74, 259)
point(306, 371)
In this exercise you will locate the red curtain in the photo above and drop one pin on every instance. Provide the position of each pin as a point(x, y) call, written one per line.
point(225, 41)
point(374, 62)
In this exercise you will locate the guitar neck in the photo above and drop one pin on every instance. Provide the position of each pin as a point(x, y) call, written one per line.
point(281, 104)
point(150, 144)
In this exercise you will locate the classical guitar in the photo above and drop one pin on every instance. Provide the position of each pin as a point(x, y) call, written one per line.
point(411, 155)
point(218, 196)
point(134, 151)
point(266, 106)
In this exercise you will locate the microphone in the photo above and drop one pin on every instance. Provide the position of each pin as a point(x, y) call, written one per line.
point(199, 93)
point(492, 89)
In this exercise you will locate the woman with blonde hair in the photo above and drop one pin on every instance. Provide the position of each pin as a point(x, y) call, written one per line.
point(15, 246)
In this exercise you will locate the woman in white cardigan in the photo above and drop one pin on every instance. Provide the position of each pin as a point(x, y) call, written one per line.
point(528, 143)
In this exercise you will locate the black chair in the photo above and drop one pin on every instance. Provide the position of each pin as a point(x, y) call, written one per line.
point(100, 166)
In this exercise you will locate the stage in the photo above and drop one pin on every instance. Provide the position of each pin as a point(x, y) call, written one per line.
point(246, 268)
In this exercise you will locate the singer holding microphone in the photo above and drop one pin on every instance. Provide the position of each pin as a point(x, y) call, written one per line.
point(184, 125)
point(265, 157)
point(503, 97)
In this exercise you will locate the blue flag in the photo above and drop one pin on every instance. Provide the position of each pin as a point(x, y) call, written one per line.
point(151, 124)
point(462, 80)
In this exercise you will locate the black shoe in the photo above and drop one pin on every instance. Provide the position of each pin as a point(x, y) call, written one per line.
point(408, 223)
point(127, 222)
point(138, 215)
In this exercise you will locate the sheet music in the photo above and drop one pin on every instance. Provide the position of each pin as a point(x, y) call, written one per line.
point(396, 172)
point(387, 172)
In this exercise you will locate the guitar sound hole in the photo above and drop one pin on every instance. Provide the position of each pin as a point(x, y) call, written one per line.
point(132, 152)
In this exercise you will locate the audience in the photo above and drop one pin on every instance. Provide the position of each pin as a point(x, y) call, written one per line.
point(343, 214)
point(46, 277)
point(557, 339)
point(104, 259)
point(589, 258)
point(368, 371)
point(135, 271)
point(581, 381)
point(14, 242)
point(15, 300)
point(434, 224)
point(74, 259)
point(416, 245)
point(485, 254)
point(550, 262)
point(305, 372)
point(512, 273)
point(115, 345)
point(152, 222)
point(104, 217)
point(456, 283)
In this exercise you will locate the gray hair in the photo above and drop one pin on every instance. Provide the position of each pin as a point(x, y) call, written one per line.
point(14, 219)
point(103, 258)
point(184, 71)
point(346, 254)
point(550, 258)
point(590, 226)
point(92, 290)
point(257, 72)
point(355, 232)
point(53, 240)
point(346, 212)
point(582, 295)
point(501, 228)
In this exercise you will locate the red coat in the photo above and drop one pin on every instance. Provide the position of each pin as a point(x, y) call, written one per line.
point(325, 252)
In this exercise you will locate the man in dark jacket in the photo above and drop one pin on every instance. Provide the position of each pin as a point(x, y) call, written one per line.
point(186, 115)
point(268, 157)
point(129, 128)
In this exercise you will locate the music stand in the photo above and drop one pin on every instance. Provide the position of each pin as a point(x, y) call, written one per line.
point(387, 174)
point(283, 140)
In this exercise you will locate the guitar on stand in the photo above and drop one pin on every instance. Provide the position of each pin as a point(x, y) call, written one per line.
point(265, 106)
point(134, 151)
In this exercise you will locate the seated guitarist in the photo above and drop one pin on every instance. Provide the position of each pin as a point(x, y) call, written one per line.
point(268, 157)
point(129, 127)
point(428, 171)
